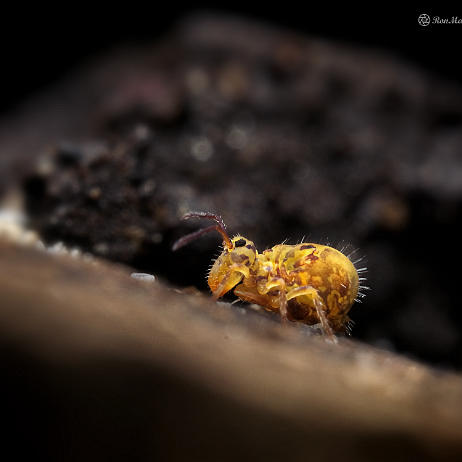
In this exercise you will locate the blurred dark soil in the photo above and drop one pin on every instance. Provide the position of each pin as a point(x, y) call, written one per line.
point(284, 136)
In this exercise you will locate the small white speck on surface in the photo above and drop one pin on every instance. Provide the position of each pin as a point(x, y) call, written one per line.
point(57, 248)
point(76, 253)
point(143, 277)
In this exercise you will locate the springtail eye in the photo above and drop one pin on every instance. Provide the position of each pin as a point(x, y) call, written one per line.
point(240, 243)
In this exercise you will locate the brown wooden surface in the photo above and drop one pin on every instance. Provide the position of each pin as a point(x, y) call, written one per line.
point(97, 365)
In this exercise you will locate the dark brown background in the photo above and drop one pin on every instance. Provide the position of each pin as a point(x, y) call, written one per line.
point(44, 44)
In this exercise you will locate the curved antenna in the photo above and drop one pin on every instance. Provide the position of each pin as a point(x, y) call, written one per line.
point(220, 227)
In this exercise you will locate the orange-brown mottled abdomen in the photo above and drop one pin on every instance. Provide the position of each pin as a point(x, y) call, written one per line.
point(307, 283)
point(311, 273)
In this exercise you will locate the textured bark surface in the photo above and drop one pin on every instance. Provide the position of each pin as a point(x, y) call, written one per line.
point(98, 365)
